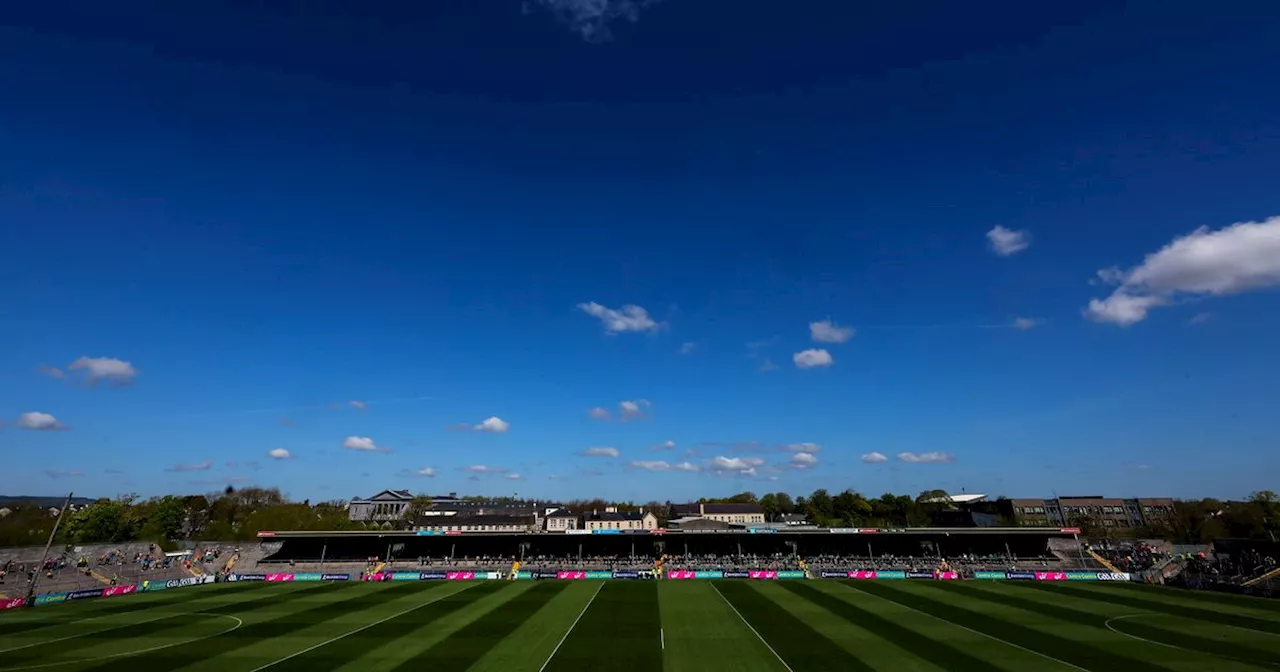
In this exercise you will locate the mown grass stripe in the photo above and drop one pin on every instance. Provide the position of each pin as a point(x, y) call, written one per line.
point(1076, 653)
point(618, 632)
point(1202, 596)
point(802, 647)
point(1220, 617)
point(150, 629)
point(919, 644)
point(279, 626)
point(463, 648)
point(337, 653)
point(1229, 650)
point(76, 612)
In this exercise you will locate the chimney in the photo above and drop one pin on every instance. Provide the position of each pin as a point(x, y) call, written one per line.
point(702, 509)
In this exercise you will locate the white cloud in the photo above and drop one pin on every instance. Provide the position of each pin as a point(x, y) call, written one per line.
point(927, 458)
point(603, 451)
point(599, 413)
point(1239, 258)
point(811, 358)
point(630, 410)
point(109, 369)
point(51, 371)
point(40, 422)
point(514, 477)
point(688, 347)
point(591, 18)
point(493, 425)
point(1005, 242)
point(356, 404)
point(1199, 318)
point(827, 331)
point(629, 318)
point(650, 465)
point(1025, 323)
point(665, 445)
point(555, 477)
point(767, 365)
point(874, 457)
point(686, 466)
point(803, 460)
point(805, 447)
point(279, 454)
point(201, 466)
point(483, 469)
point(363, 444)
point(744, 466)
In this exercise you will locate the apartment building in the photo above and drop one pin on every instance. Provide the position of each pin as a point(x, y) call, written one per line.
point(560, 520)
point(1105, 511)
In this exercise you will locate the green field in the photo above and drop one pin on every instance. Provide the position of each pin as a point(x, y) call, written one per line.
point(733, 626)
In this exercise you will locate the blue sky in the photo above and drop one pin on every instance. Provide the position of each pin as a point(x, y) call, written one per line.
point(1015, 250)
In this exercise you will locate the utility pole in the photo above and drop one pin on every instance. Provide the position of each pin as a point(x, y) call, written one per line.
point(35, 576)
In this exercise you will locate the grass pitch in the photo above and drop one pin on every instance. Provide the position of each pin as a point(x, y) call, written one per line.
point(625, 626)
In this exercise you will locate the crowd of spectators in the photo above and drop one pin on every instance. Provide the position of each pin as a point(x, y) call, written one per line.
point(1132, 557)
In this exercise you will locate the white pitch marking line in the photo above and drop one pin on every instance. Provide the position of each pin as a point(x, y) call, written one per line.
point(1172, 646)
point(131, 653)
point(359, 629)
point(976, 632)
point(662, 639)
point(570, 630)
point(752, 628)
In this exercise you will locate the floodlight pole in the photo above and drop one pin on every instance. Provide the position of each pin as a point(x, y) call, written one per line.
point(35, 576)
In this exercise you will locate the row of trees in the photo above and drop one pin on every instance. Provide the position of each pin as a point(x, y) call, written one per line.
point(237, 515)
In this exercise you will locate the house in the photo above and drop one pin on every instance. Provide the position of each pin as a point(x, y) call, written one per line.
point(612, 519)
point(698, 523)
point(793, 519)
point(725, 513)
point(560, 520)
point(387, 505)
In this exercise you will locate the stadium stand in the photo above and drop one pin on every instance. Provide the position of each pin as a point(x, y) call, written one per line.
point(88, 566)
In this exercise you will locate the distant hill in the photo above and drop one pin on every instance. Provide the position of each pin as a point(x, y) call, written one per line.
point(20, 501)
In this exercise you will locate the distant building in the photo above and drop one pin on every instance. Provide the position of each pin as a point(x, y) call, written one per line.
point(725, 513)
point(697, 523)
point(612, 519)
point(560, 520)
point(793, 519)
point(1103, 511)
point(477, 523)
point(387, 505)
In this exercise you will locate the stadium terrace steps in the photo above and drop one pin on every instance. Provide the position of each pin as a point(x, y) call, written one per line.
point(1275, 573)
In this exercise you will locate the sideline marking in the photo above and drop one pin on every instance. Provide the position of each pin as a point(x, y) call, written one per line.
point(131, 653)
point(359, 629)
point(753, 629)
point(662, 639)
point(1107, 623)
point(976, 632)
point(570, 630)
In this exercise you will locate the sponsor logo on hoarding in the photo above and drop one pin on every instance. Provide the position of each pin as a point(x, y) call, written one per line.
point(524, 576)
point(335, 577)
point(606, 531)
point(307, 577)
point(460, 576)
point(844, 530)
point(919, 574)
point(626, 575)
point(1021, 576)
point(709, 575)
point(895, 574)
point(577, 531)
point(599, 575)
point(190, 581)
point(1112, 576)
point(249, 577)
point(430, 533)
point(1070, 530)
point(763, 574)
point(658, 531)
point(734, 575)
point(1079, 576)
point(12, 603)
point(112, 591)
point(866, 530)
point(993, 575)
point(51, 598)
point(433, 576)
point(679, 574)
point(148, 586)
point(946, 576)
point(837, 575)
point(571, 575)
point(1051, 576)
point(84, 594)
point(279, 577)
point(864, 574)
point(266, 534)
point(791, 574)
point(761, 531)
